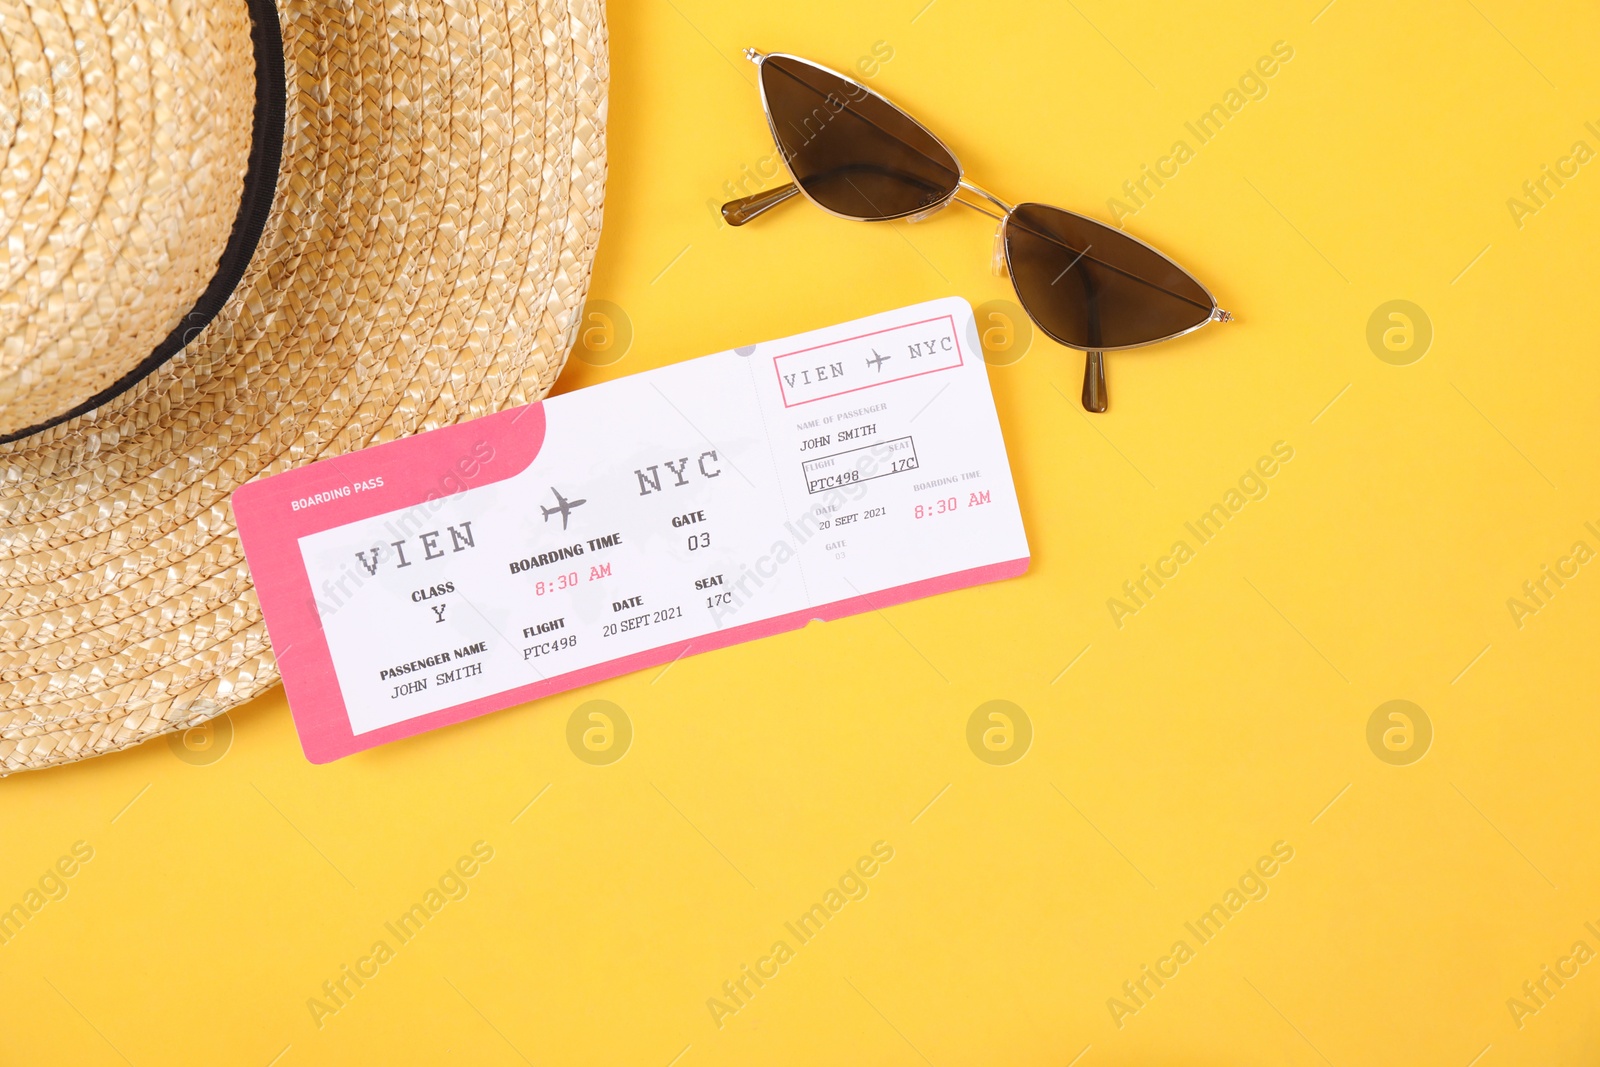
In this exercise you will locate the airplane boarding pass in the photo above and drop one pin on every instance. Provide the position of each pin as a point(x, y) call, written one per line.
point(434, 578)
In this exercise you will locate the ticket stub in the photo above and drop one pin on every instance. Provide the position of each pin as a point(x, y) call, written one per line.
point(432, 579)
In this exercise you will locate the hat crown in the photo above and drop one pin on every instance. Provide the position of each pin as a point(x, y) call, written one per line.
point(126, 134)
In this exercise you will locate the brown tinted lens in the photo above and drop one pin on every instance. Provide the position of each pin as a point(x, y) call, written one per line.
point(852, 152)
point(1090, 286)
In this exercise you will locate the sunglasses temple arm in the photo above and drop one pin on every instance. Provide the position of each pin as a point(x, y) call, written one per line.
point(1094, 363)
point(740, 211)
point(1094, 382)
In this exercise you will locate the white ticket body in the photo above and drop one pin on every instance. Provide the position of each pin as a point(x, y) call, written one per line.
point(473, 567)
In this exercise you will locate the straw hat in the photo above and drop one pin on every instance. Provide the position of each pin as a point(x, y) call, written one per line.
point(240, 236)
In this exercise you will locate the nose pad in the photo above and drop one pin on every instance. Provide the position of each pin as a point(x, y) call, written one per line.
point(921, 215)
point(997, 262)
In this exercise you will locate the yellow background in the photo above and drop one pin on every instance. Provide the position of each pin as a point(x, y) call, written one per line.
point(1229, 713)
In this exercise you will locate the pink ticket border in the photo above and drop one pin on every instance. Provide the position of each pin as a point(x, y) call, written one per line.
point(961, 360)
point(442, 463)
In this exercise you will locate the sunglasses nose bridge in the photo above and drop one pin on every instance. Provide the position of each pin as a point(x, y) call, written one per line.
point(973, 187)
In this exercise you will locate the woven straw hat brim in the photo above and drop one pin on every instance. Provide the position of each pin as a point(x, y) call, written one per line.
point(119, 193)
point(427, 253)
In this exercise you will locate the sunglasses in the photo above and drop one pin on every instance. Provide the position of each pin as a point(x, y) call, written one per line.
point(855, 155)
